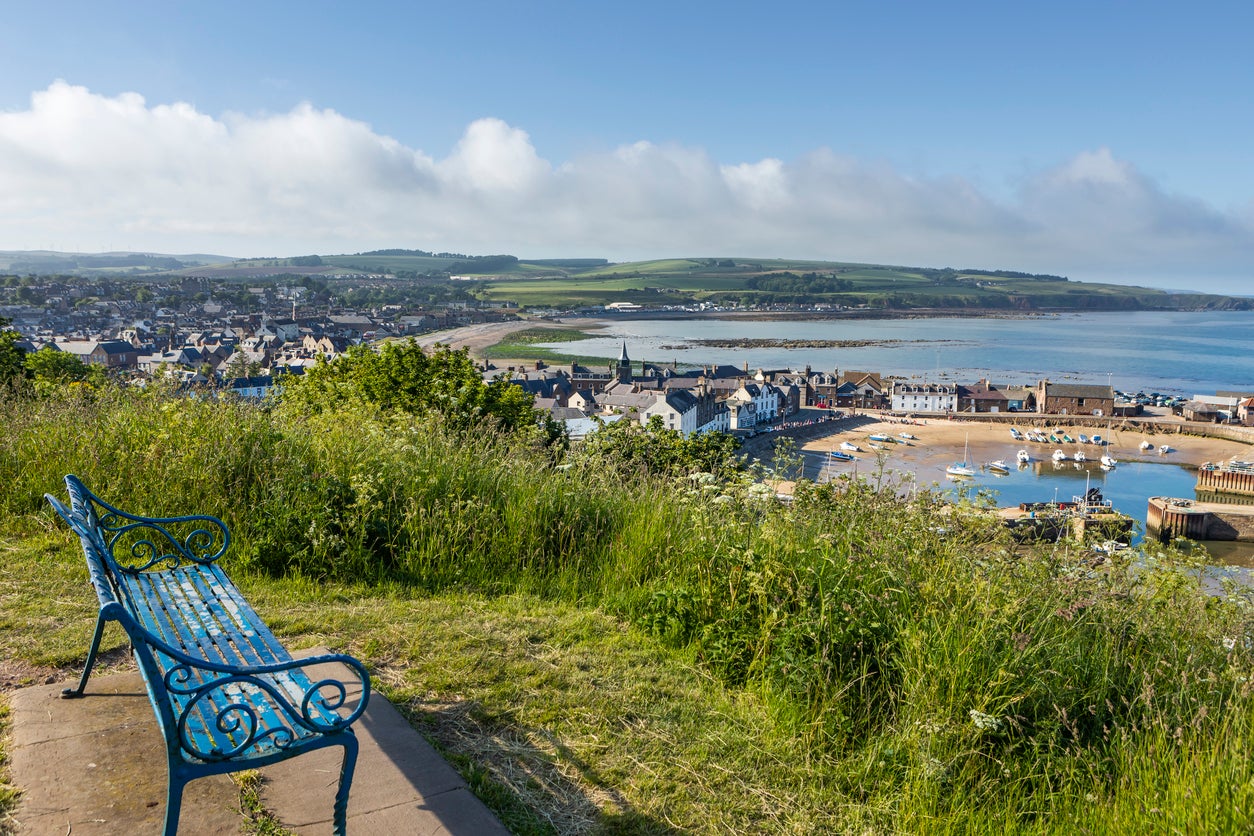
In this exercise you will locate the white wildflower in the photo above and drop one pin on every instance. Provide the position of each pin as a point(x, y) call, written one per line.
point(985, 722)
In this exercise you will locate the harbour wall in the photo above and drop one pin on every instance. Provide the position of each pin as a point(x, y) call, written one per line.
point(1240, 483)
point(1168, 518)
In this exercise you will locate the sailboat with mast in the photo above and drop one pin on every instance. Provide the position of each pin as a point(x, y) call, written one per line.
point(962, 469)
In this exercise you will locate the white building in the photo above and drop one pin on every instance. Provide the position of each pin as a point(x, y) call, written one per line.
point(678, 411)
point(924, 397)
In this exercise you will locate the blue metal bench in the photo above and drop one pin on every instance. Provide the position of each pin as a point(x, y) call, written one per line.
point(227, 695)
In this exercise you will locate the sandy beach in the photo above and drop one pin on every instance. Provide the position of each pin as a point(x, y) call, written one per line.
point(940, 442)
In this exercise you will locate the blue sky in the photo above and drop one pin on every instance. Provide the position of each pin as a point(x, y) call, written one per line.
point(1103, 141)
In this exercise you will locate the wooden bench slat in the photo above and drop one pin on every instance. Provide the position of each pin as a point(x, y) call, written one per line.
point(159, 612)
point(193, 628)
point(254, 641)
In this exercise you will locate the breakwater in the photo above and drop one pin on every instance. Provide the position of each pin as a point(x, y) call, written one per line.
point(1219, 480)
point(1168, 518)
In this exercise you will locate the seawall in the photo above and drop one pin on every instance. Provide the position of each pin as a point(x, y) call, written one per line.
point(1168, 518)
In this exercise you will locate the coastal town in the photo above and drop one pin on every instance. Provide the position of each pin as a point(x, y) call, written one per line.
point(242, 338)
point(242, 341)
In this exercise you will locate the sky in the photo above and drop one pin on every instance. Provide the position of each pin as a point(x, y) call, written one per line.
point(1105, 141)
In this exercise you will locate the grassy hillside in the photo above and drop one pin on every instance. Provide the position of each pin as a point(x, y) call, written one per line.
point(725, 281)
point(777, 281)
point(604, 642)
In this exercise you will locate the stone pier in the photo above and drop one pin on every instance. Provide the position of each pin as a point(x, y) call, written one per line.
point(1168, 518)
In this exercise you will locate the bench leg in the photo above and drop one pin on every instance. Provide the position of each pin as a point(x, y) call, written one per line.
point(70, 693)
point(173, 805)
point(340, 827)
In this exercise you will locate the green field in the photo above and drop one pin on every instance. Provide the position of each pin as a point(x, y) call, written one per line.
point(777, 281)
point(733, 282)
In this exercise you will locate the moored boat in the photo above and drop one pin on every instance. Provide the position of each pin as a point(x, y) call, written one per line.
point(1083, 439)
point(850, 447)
point(1080, 457)
point(880, 437)
point(1024, 457)
point(998, 466)
point(1108, 461)
point(1059, 456)
point(837, 455)
point(962, 469)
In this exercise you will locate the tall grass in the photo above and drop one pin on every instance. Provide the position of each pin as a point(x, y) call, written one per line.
point(952, 680)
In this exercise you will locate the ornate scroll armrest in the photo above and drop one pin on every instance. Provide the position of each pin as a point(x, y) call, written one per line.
point(229, 699)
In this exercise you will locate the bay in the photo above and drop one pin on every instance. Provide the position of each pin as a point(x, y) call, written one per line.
point(1172, 352)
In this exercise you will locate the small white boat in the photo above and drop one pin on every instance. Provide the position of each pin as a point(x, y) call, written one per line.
point(962, 469)
point(850, 446)
point(998, 466)
point(1164, 449)
point(1059, 456)
point(908, 436)
point(880, 437)
point(1084, 439)
point(1015, 434)
point(1079, 456)
point(1147, 446)
point(1024, 457)
point(1097, 439)
point(875, 446)
point(1108, 461)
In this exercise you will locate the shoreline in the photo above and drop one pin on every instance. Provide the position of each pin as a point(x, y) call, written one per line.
point(941, 442)
point(944, 438)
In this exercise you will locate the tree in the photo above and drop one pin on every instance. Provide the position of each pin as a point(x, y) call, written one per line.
point(11, 354)
point(239, 366)
point(631, 448)
point(49, 367)
point(402, 376)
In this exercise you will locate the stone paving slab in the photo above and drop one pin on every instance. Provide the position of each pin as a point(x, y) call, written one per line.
point(96, 765)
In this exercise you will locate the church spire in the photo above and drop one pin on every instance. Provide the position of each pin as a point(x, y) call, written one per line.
point(624, 366)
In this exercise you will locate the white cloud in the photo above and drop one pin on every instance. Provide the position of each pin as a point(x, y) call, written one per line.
point(86, 171)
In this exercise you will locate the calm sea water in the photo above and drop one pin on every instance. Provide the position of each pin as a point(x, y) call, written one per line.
point(1173, 353)
point(1128, 486)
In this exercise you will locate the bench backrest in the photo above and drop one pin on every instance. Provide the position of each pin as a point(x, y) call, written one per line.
point(94, 550)
point(134, 543)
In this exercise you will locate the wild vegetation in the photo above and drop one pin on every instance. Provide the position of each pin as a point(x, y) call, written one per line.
point(636, 635)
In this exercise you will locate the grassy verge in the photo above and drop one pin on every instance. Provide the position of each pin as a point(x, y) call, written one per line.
point(524, 345)
point(563, 718)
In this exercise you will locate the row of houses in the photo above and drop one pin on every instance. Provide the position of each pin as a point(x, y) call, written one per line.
point(1044, 397)
point(713, 398)
point(731, 398)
